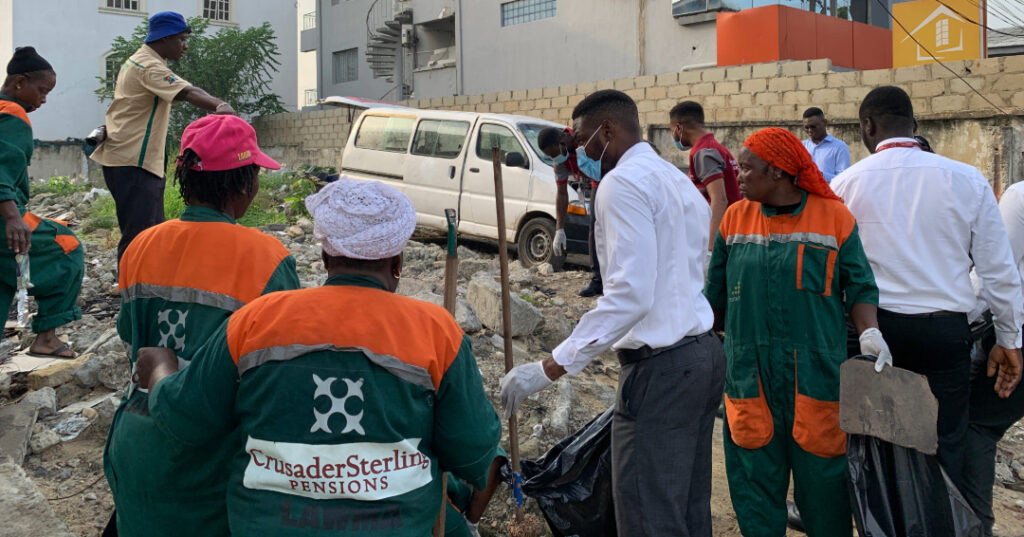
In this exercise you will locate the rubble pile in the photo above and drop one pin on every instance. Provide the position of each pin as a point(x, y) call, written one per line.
point(54, 419)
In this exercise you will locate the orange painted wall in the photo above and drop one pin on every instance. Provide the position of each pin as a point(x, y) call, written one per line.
point(773, 33)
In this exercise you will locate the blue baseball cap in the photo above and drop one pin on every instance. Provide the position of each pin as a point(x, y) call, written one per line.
point(166, 23)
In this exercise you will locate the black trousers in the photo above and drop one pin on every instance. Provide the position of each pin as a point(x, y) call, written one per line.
point(990, 417)
point(595, 266)
point(661, 440)
point(937, 346)
point(139, 198)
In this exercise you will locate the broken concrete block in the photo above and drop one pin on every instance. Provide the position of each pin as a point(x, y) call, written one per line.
point(26, 511)
point(484, 295)
point(44, 398)
point(464, 314)
point(5, 383)
point(42, 439)
point(16, 423)
point(414, 286)
point(109, 369)
point(56, 374)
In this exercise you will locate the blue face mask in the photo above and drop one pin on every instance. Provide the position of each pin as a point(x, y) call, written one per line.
point(679, 145)
point(561, 158)
point(590, 167)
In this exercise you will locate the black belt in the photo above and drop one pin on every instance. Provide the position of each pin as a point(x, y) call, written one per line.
point(930, 315)
point(630, 356)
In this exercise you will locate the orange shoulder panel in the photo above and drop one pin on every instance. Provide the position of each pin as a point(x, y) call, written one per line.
point(218, 257)
point(416, 332)
point(14, 109)
point(743, 218)
point(823, 216)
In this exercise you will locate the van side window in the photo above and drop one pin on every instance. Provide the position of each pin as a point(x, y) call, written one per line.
point(496, 135)
point(436, 138)
point(385, 133)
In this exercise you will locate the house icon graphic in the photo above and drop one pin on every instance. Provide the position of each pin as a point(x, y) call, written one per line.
point(942, 32)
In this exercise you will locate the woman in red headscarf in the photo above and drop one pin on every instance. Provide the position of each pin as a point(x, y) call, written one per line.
point(786, 263)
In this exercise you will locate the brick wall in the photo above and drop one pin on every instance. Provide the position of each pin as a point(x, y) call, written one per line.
point(739, 100)
point(300, 139)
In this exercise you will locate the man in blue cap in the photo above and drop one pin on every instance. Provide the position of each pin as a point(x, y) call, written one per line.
point(133, 153)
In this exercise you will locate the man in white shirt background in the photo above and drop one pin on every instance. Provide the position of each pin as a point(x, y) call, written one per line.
point(830, 153)
point(925, 220)
point(651, 236)
point(990, 415)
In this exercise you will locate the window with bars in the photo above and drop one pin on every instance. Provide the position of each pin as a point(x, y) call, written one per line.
point(942, 33)
point(345, 65)
point(217, 10)
point(127, 5)
point(520, 11)
point(111, 67)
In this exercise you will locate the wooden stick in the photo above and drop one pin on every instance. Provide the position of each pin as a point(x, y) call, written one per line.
point(506, 323)
point(451, 281)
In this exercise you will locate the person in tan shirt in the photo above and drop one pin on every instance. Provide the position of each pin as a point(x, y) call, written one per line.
point(133, 153)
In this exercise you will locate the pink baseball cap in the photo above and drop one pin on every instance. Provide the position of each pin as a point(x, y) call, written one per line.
point(224, 142)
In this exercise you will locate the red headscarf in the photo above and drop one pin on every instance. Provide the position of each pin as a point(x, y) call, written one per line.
point(781, 149)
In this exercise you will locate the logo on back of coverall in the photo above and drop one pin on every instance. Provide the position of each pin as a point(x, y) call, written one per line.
point(173, 337)
point(354, 389)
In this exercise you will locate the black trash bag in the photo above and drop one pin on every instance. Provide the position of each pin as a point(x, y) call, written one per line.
point(901, 492)
point(572, 482)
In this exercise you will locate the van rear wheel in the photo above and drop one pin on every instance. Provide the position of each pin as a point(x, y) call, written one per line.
point(534, 242)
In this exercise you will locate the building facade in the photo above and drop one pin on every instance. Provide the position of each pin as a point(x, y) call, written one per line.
point(75, 37)
point(390, 49)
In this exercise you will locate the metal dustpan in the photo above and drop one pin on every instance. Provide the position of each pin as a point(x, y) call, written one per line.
point(895, 405)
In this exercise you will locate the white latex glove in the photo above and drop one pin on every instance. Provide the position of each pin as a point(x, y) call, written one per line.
point(520, 383)
point(872, 344)
point(558, 245)
point(473, 528)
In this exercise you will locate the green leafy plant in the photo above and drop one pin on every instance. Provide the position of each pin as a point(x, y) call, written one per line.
point(102, 215)
point(232, 64)
point(301, 189)
point(60, 185)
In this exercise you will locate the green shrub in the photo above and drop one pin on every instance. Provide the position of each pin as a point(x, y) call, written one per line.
point(102, 215)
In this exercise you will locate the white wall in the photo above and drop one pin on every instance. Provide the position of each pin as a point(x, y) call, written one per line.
point(587, 40)
point(343, 26)
point(6, 30)
point(306, 66)
point(75, 36)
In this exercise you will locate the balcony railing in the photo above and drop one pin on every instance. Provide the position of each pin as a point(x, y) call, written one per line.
point(309, 20)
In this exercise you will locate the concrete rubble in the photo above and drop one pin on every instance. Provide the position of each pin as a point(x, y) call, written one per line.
point(54, 414)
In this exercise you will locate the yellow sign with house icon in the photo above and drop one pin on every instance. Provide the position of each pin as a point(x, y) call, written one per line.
point(947, 31)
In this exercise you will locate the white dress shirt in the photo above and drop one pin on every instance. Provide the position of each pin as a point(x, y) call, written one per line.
point(923, 218)
point(651, 237)
point(1011, 207)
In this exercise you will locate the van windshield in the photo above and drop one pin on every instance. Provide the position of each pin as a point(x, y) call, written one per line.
point(530, 132)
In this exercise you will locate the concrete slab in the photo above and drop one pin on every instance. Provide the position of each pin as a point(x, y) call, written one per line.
point(26, 511)
point(895, 405)
point(16, 423)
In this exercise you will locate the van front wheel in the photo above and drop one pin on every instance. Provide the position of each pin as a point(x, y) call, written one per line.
point(534, 242)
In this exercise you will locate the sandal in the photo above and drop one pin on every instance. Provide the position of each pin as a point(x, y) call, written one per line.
point(57, 353)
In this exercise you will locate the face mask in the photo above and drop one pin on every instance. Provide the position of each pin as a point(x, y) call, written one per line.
point(679, 145)
point(561, 158)
point(590, 167)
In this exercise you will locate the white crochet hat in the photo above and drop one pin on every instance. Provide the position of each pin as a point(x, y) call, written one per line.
point(361, 219)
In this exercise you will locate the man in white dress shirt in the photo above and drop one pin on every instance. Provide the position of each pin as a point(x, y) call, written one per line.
point(651, 236)
point(925, 220)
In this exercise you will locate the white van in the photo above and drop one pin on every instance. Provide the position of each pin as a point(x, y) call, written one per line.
point(442, 160)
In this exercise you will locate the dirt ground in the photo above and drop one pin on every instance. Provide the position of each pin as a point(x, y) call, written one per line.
point(70, 475)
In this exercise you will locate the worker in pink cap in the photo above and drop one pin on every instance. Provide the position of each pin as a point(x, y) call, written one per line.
point(179, 281)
